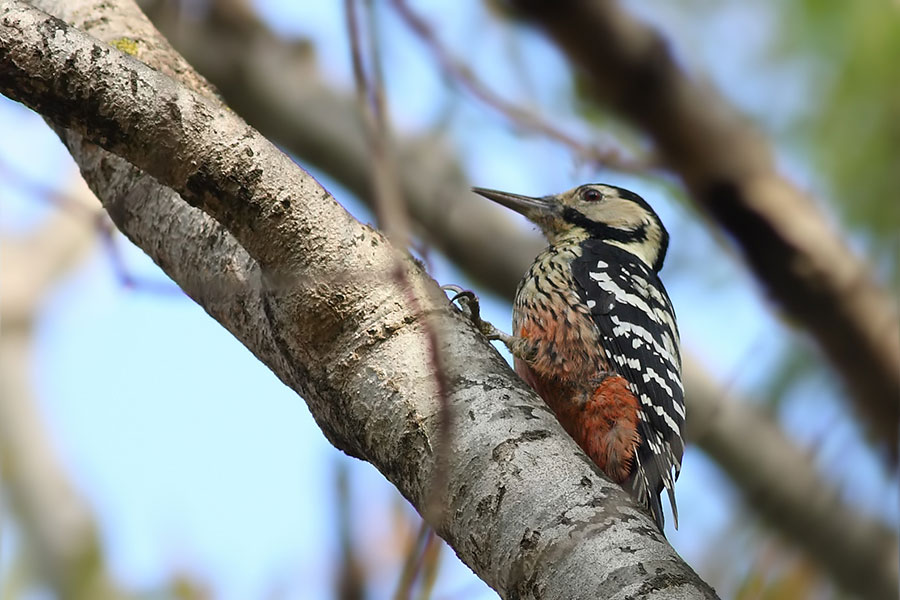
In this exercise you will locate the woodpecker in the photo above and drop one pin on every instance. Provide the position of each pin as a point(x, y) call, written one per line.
point(594, 334)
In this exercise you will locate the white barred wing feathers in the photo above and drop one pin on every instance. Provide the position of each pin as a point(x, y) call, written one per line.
point(640, 339)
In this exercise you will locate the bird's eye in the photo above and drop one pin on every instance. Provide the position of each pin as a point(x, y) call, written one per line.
point(591, 195)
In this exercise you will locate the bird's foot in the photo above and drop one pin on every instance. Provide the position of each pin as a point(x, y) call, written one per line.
point(468, 304)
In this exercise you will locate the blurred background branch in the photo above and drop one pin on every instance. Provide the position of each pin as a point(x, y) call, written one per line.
point(310, 331)
point(525, 119)
point(783, 485)
point(57, 524)
point(272, 79)
point(730, 172)
point(497, 253)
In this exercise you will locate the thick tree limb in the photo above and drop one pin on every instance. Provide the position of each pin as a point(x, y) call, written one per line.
point(526, 517)
point(254, 69)
point(275, 85)
point(729, 171)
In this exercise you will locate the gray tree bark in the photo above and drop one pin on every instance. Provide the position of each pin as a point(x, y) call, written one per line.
point(275, 86)
point(269, 254)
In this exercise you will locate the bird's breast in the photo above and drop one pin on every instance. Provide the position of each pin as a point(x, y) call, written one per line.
point(550, 315)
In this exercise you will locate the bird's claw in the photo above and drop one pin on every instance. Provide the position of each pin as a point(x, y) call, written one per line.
point(469, 305)
point(466, 300)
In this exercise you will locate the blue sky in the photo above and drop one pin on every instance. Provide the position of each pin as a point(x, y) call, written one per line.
point(196, 458)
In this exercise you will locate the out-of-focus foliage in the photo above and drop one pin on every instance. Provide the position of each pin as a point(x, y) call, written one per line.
point(853, 127)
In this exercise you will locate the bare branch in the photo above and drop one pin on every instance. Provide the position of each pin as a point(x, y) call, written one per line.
point(781, 483)
point(610, 158)
point(325, 129)
point(729, 171)
point(350, 582)
point(517, 501)
point(58, 525)
point(500, 253)
point(395, 223)
point(391, 211)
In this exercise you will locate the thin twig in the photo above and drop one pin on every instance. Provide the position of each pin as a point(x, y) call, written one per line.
point(459, 71)
point(431, 564)
point(412, 564)
point(351, 580)
point(96, 218)
point(59, 199)
point(121, 271)
point(369, 91)
point(391, 212)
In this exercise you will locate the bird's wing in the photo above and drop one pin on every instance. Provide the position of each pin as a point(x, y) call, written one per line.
point(640, 338)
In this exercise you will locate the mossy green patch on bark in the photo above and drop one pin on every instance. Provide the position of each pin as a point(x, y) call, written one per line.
point(126, 45)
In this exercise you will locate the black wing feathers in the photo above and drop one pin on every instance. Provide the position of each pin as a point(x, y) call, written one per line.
point(640, 339)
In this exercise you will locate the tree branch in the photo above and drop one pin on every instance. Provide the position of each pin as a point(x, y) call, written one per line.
point(274, 84)
point(529, 519)
point(728, 169)
point(254, 69)
point(611, 158)
point(782, 484)
point(59, 529)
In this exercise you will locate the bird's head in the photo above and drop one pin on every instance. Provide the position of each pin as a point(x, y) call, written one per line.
point(603, 212)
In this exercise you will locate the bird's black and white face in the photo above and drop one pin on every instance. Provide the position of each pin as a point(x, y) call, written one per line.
point(612, 214)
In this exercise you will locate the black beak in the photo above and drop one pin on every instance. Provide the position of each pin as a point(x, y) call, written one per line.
point(525, 205)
